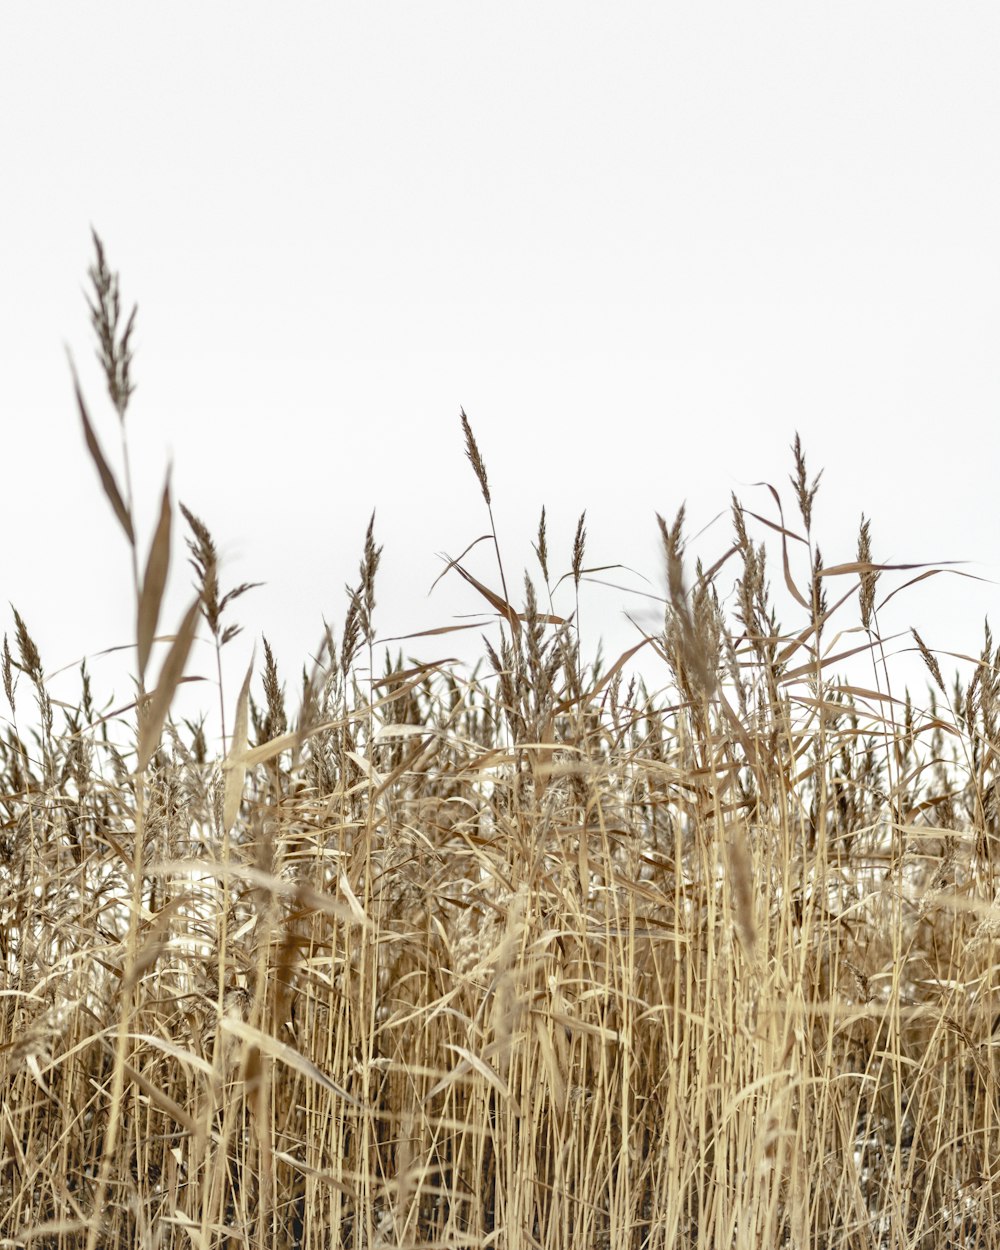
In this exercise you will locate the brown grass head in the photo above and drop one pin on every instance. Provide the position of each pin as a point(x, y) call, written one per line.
point(869, 577)
point(579, 546)
point(541, 547)
point(805, 494)
point(114, 348)
point(475, 459)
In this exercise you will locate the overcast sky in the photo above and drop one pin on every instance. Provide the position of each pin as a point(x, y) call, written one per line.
point(641, 244)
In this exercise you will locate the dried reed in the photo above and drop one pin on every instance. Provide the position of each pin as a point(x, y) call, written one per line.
point(520, 960)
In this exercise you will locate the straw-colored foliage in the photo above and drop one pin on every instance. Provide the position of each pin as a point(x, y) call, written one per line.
point(532, 957)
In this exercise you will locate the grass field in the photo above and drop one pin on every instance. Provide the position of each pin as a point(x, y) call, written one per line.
point(524, 956)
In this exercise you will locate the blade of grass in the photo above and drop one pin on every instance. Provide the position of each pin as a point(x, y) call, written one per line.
point(154, 582)
point(236, 763)
point(107, 477)
point(154, 713)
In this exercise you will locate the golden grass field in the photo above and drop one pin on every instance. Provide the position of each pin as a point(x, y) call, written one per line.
point(524, 958)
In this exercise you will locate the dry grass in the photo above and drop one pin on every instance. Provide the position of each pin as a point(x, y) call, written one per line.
point(537, 959)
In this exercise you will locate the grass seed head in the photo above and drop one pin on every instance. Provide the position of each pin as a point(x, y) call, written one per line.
point(869, 577)
point(804, 493)
point(114, 350)
point(541, 547)
point(475, 459)
point(930, 660)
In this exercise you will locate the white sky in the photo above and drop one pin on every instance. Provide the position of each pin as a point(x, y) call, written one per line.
point(641, 244)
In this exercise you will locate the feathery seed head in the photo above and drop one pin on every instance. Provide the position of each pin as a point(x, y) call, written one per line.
point(475, 459)
point(869, 577)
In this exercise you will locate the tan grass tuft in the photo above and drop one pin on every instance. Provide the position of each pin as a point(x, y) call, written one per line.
point(545, 954)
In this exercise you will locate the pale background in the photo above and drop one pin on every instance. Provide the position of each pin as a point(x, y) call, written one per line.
point(641, 244)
